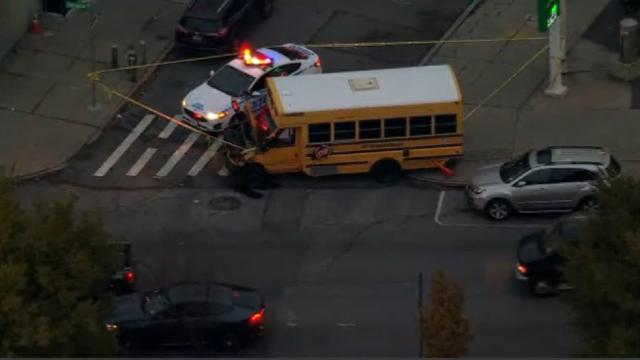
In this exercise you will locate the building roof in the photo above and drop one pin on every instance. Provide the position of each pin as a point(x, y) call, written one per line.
point(366, 89)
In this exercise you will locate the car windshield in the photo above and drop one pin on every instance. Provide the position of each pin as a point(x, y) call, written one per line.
point(231, 81)
point(514, 168)
point(155, 303)
point(201, 25)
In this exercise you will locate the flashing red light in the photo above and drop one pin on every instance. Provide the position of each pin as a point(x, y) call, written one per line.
point(257, 318)
point(235, 105)
point(250, 59)
point(130, 277)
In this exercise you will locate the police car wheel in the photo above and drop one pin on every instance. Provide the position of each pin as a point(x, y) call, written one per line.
point(387, 171)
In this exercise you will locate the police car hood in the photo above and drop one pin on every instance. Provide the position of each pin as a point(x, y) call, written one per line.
point(205, 98)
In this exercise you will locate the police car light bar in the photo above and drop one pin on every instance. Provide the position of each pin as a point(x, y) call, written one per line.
point(250, 59)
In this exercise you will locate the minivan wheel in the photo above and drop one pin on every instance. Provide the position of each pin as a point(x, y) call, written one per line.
point(589, 204)
point(498, 209)
point(387, 172)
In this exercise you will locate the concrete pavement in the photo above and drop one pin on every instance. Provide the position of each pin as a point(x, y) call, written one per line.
point(597, 109)
point(45, 108)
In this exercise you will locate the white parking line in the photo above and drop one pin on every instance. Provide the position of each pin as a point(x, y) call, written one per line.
point(177, 155)
point(204, 159)
point(142, 161)
point(126, 143)
point(168, 130)
point(437, 220)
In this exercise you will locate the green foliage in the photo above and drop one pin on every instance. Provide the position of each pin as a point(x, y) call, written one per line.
point(604, 269)
point(446, 332)
point(55, 265)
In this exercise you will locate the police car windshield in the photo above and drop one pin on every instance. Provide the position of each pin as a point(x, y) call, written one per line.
point(231, 81)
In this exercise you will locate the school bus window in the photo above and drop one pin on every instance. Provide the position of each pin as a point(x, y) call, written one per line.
point(344, 131)
point(446, 124)
point(420, 125)
point(320, 133)
point(396, 127)
point(284, 138)
point(369, 129)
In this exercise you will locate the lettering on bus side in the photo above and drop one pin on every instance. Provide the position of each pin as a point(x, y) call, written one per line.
point(384, 145)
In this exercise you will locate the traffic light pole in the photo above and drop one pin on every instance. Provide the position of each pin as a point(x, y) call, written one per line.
point(558, 53)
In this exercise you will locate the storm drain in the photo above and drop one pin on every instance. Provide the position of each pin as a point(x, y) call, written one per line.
point(225, 203)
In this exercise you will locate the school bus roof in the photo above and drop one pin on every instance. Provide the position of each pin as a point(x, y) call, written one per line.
point(365, 89)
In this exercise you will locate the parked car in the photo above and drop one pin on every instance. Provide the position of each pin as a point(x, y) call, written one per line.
point(123, 281)
point(188, 314)
point(553, 179)
point(213, 103)
point(217, 25)
point(538, 259)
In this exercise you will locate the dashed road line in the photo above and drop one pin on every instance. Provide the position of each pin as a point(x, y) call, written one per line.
point(204, 159)
point(126, 143)
point(168, 130)
point(177, 155)
point(142, 161)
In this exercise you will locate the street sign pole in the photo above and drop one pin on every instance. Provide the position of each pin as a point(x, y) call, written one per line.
point(557, 50)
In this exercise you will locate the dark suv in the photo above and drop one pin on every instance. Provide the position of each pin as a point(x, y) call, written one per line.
point(539, 262)
point(217, 25)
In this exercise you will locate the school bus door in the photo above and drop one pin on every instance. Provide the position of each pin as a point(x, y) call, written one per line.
point(282, 155)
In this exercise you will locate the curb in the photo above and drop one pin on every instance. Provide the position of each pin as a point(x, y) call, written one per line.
point(456, 24)
point(96, 134)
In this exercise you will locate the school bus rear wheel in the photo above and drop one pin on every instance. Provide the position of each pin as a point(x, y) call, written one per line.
point(387, 171)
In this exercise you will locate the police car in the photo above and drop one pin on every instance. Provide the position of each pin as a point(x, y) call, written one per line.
point(211, 105)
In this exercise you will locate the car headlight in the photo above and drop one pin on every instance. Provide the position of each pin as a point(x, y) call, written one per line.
point(477, 190)
point(184, 102)
point(112, 328)
point(215, 116)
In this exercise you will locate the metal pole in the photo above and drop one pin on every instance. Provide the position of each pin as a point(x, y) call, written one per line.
point(143, 52)
point(563, 35)
point(556, 57)
point(94, 20)
point(114, 56)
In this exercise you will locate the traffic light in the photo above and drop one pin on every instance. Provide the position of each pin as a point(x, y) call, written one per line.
point(548, 12)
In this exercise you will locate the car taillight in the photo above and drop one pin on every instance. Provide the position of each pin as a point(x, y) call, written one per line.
point(522, 269)
point(130, 277)
point(257, 318)
point(318, 63)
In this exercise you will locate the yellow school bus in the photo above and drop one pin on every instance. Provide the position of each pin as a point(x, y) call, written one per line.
point(377, 121)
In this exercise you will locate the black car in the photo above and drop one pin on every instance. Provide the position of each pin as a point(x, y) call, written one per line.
point(217, 25)
point(123, 281)
point(539, 263)
point(188, 314)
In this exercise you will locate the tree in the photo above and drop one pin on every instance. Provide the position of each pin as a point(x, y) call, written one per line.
point(54, 270)
point(604, 269)
point(446, 332)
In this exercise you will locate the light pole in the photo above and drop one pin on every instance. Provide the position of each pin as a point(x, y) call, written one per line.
point(552, 16)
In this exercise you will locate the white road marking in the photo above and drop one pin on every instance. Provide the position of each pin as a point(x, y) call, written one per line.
point(168, 130)
point(223, 172)
point(292, 324)
point(177, 155)
point(142, 161)
point(126, 143)
point(437, 220)
point(345, 324)
point(204, 159)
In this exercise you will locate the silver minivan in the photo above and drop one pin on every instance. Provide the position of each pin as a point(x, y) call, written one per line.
point(553, 179)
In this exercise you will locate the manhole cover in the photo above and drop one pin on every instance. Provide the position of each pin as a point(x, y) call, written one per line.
point(225, 203)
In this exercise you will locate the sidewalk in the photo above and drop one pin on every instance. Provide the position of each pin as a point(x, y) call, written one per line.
point(597, 109)
point(45, 110)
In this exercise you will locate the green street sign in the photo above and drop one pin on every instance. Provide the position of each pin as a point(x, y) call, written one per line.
point(548, 12)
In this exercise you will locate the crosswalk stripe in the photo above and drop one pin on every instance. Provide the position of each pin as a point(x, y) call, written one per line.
point(204, 159)
point(126, 143)
point(177, 155)
point(142, 161)
point(168, 130)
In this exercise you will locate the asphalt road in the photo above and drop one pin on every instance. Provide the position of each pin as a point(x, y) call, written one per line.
point(336, 258)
